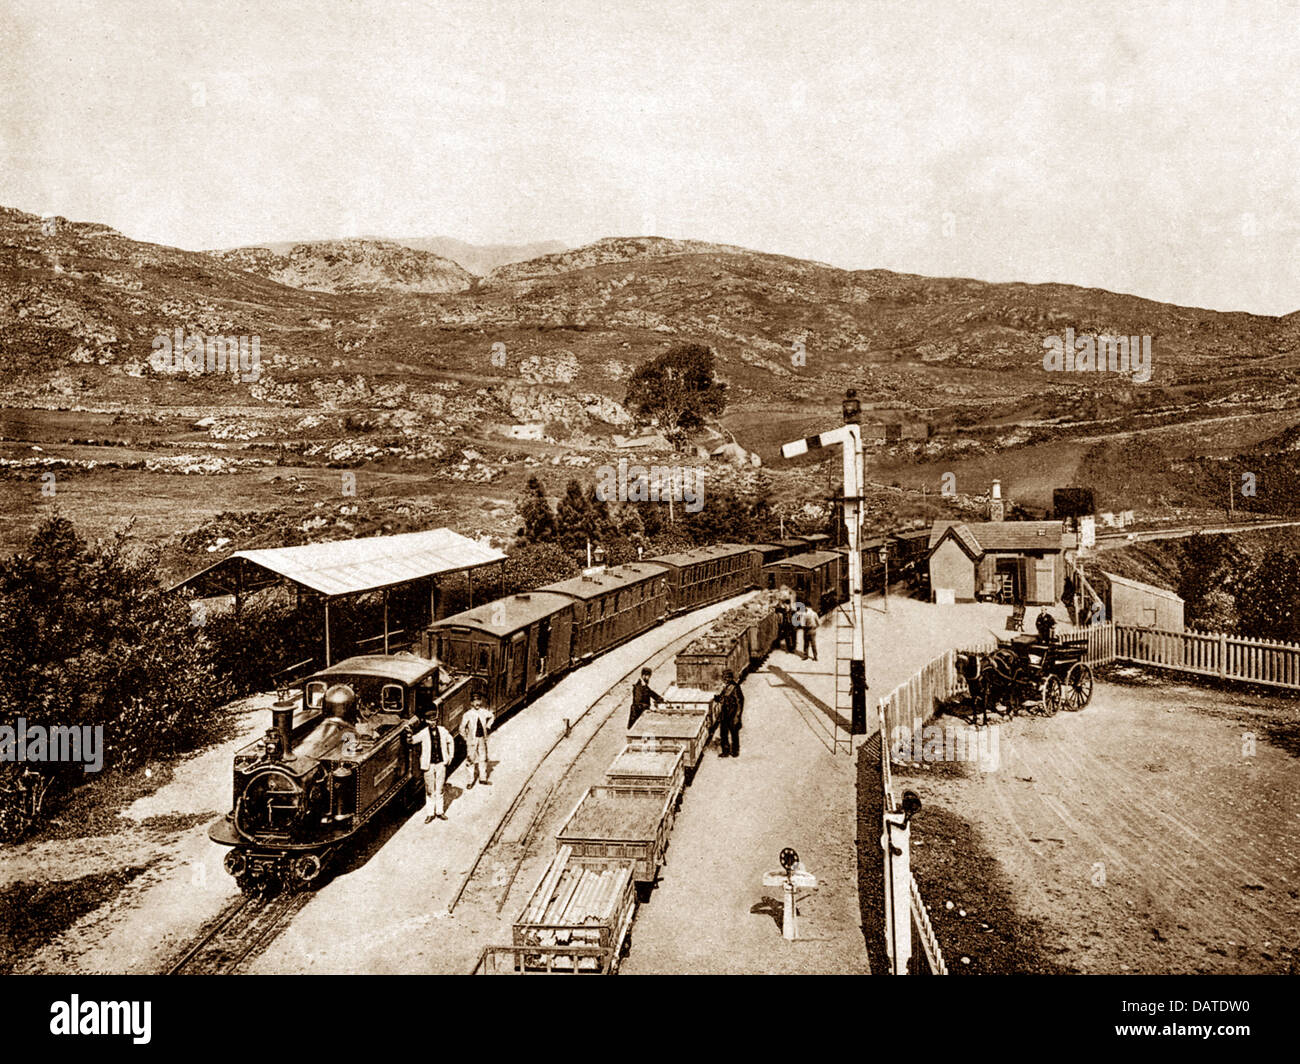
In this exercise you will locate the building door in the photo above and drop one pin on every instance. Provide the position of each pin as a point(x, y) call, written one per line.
point(1044, 580)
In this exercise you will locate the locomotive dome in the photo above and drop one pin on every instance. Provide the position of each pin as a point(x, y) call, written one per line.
point(339, 700)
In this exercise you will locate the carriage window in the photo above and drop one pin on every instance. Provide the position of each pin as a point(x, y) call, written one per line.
point(315, 694)
point(392, 698)
point(482, 660)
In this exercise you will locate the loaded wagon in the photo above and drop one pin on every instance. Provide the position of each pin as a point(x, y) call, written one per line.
point(689, 732)
point(736, 641)
point(659, 770)
point(704, 662)
point(620, 823)
point(577, 917)
point(694, 700)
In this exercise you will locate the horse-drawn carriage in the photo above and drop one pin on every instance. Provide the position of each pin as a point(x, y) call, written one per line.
point(1026, 672)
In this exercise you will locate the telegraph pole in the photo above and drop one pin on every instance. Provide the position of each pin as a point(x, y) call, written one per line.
point(849, 437)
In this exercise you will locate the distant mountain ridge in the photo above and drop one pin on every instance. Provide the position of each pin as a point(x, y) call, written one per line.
point(478, 259)
point(352, 266)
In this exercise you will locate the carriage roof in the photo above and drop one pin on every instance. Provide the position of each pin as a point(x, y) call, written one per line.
point(703, 554)
point(613, 579)
point(813, 559)
point(507, 615)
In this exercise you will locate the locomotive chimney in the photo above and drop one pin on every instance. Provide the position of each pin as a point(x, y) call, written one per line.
point(282, 721)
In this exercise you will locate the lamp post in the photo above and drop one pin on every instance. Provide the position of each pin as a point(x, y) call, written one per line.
point(884, 560)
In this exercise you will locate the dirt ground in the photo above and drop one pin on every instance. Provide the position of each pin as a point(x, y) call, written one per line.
point(1156, 831)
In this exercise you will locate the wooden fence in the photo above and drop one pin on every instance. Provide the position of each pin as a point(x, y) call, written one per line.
point(1216, 654)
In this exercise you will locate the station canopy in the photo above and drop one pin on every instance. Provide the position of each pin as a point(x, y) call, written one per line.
point(346, 567)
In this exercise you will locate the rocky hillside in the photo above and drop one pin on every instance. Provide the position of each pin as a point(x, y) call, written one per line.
point(352, 266)
point(478, 259)
point(366, 324)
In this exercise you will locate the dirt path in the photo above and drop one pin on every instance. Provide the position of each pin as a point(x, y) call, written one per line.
point(1148, 833)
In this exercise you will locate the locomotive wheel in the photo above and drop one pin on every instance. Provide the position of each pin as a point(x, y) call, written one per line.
point(1051, 695)
point(1078, 686)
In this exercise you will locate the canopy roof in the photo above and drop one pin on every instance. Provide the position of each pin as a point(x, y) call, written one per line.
point(353, 566)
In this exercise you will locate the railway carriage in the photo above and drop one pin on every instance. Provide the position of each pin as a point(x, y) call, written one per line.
point(791, 546)
point(613, 605)
point(511, 647)
point(709, 574)
point(911, 549)
point(813, 577)
point(768, 552)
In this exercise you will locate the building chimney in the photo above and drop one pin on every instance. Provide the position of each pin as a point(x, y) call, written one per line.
point(997, 507)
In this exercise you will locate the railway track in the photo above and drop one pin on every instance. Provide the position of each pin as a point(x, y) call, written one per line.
point(243, 928)
point(494, 873)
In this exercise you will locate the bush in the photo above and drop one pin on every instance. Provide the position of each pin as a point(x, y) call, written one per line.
point(89, 637)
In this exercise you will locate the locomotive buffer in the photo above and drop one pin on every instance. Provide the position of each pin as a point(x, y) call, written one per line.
point(849, 438)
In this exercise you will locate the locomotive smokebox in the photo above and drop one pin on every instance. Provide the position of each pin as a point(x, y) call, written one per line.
point(282, 721)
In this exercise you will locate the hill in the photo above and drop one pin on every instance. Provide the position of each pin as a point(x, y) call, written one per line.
point(372, 351)
point(352, 266)
point(478, 259)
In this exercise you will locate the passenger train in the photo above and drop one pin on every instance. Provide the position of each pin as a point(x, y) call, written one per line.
point(344, 752)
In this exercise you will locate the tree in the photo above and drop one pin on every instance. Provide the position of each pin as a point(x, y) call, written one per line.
point(539, 519)
point(579, 517)
point(677, 389)
point(1268, 601)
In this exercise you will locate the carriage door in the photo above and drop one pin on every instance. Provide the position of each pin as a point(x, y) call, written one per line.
point(517, 669)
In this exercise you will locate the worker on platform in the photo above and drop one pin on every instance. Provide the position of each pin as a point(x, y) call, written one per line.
point(785, 628)
point(731, 701)
point(807, 620)
point(642, 696)
point(437, 748)
point(474, 728)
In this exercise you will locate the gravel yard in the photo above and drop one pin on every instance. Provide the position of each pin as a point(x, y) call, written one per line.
point(1156, 831)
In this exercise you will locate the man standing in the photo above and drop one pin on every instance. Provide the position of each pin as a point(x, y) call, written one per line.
point(732, 702)
point(809, 621)
point(785, 630)
point(474, 728)
point(1067, 596)
point(437, 748)
point(642, 696)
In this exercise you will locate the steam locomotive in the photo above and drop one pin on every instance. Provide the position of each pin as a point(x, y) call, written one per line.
point(336, 758)
point(329, 764)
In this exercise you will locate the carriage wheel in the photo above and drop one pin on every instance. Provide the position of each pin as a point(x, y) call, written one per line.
point(1051, 694)
point(1078, 686)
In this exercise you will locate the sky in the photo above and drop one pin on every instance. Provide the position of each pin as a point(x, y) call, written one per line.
point(1150, 148)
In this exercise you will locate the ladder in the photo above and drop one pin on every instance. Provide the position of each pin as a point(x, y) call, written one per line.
point(843, 704)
